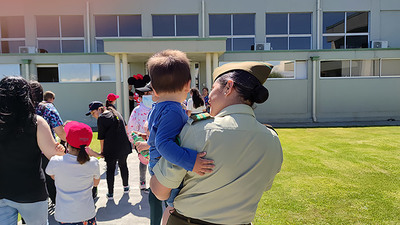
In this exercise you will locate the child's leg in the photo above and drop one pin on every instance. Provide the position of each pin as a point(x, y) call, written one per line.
point(124, 170)
point(142, 171)
point(110, 174)
point(155, 209)
point(166, 215)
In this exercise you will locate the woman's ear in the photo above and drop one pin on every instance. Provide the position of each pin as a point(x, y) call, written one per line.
point(228, 87)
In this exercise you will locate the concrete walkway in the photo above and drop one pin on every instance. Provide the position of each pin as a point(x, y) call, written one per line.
point(132, 208)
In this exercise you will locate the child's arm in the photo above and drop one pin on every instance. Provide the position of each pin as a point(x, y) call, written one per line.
point(189, 159)
point(96, 182)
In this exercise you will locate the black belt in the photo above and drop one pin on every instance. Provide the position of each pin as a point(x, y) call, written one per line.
point(189, 220)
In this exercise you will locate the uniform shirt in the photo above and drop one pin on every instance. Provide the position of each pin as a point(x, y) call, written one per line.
point(74, 182)
point(50, 114)
point(193, 110)
point(247, 156)
point(166, 120)
point(137, 120)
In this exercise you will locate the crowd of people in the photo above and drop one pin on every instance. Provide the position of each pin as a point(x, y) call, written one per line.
point(208, 157)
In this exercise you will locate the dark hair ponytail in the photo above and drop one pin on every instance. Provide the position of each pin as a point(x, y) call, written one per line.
point(248, 87)
point(197, 99)
point(83, 157)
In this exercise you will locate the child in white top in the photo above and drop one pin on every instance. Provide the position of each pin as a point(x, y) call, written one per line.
point(75, 174)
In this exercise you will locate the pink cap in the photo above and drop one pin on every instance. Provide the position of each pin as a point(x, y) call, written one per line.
point(112, 97)
point(78, 134)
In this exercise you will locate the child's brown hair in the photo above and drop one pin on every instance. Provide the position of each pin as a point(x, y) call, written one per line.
point(169, 71)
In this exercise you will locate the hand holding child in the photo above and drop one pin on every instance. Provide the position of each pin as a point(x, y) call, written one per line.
point(203, 166)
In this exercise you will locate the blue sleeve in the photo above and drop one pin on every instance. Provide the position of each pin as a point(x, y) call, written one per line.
point(170, 125)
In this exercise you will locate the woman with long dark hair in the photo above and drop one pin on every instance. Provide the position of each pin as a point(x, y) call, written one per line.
point(114, 143)
point(23, 138)
point(195, 104)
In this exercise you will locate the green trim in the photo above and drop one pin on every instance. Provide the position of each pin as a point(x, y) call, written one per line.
point(317, 50)
point(165, 39)
point(26, 61)
point(314, 58)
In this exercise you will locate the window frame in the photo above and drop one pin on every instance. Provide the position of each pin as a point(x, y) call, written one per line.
point(61, 38)
point(288, 35)
point(232, 36)
point(359, 77)
point(345, 34)
point(11, 39)
point(118, 31)
point(175, 28)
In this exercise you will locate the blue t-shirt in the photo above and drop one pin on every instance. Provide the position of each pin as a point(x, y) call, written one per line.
point(165, 121)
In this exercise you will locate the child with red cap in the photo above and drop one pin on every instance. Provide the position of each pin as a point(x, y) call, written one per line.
point(111, 100)
point(75, 174)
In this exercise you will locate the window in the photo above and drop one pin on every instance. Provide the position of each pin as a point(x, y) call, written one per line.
point(103, 72)
point(350, 68)
point(12, 34)
point(175, 25)
point(390, 67)
point(116, 26)
point(288, 30)
point(9, 70)
point(47, 73)
point(343, 30)
point(74, 72)
point(289, 69)
point(238, 28)
point(60, 34)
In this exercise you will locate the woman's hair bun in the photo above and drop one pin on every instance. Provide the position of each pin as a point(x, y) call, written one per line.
point(260, 94)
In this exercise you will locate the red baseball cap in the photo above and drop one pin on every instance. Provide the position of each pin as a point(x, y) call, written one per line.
point(112, 97)
point(78, 134)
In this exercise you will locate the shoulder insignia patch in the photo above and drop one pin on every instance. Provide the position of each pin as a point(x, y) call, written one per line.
point(200, 116)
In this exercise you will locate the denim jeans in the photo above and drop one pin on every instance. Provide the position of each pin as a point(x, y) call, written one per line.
point(33, 213)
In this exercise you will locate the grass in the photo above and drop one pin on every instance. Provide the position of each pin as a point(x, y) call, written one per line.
point(335, 176)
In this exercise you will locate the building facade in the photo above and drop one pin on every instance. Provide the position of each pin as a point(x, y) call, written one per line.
point(334, 60)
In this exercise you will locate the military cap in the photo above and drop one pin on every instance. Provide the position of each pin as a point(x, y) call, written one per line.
point(259, 70)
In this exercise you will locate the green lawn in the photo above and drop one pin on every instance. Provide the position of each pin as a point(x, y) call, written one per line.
point(335, 176)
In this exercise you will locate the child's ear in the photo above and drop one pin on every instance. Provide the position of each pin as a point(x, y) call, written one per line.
point(155, 93)
point(187, 86)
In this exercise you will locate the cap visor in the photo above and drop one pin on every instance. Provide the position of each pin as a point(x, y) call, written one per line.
point(88, 113)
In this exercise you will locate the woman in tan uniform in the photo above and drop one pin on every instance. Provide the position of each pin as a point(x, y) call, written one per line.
point(247, 155)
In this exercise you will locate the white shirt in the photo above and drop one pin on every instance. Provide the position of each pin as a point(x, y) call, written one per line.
point(193, 110)
point(74, 182)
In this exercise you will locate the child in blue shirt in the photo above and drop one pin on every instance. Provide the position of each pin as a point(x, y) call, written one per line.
point(169, 71)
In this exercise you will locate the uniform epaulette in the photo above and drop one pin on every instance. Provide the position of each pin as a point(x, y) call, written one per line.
point(200, 116)
point(271, 127)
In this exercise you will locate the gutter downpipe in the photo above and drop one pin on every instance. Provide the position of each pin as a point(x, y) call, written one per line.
point(314, 60)
point(319, 24)
point(203, 19)
point(88, 26)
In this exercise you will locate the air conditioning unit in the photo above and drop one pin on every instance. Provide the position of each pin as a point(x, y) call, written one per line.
point(262, 46)
point(379, 44)
point(27, 49)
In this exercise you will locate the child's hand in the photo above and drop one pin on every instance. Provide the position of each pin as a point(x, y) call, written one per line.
point(90, 152)
point(60, 149)
point(203, 166)
point(141, 146)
